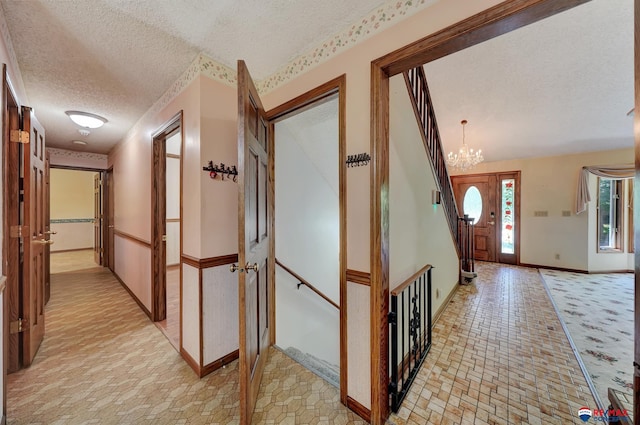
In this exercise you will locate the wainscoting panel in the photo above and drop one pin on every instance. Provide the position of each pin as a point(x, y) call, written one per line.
point(220, 313)
point(72, 234)
point(358, 344)
point(191, 311)
point(133, 267)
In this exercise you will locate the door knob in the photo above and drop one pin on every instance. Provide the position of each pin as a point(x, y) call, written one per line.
point(235, 267)
point(248, 267)
point(50, 232)
point(44, 241)
point(492, 222)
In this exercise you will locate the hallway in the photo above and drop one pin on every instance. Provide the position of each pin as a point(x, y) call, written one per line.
point(499, 356)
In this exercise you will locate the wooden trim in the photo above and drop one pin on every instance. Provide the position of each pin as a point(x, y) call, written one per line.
point(132, 238)
point(444, 305)
point(217, 364)
point(636, 212)
point(308, 285)
point(140, 304)
point(379, 245)
point(495, 21)
point(299, 104)
point(172, 220)
point(356, 276)
point(173, 155)
point(190, 361)
point(562, 269)
point(205, 263)
point(72, 250)
point(396, 291)
point(359, 409)
point(307, 100)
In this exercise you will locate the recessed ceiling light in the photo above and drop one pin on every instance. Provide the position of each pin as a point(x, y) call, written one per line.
point(79, 142)
point(85, 119)
point(84, 132)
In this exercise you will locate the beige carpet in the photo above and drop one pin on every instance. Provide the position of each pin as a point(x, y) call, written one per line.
point(104, 362)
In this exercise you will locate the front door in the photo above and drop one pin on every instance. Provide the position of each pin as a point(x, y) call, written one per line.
point(493, 200)
point(34, 239)
point(476, 197)
point(253, 241)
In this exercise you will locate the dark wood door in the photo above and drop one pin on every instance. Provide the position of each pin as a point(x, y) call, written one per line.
point(478, 194)
point(34, 252)
point(253, 241)
point(97, 219)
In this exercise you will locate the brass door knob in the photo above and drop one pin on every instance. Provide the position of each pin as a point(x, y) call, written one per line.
point(248, 267)
point(235, 267)
point(50, 232)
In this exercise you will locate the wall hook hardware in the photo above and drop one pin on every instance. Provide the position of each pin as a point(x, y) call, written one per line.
point(222, 170)
point(358, 160)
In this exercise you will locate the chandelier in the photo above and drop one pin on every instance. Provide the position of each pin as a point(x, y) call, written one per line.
point(465, 158)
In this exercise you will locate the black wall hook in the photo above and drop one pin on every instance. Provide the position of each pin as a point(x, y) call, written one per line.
point(215, 169)
point(358, 160)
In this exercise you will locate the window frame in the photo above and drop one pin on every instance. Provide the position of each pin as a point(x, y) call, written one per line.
point(617, 215)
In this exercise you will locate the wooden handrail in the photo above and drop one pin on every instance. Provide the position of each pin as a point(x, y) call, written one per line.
point(398, 289)
point(307, 284)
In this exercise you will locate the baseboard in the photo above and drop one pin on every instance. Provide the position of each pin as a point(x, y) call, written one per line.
point(444, 304)
point(217, 364)
point(191, 362)
point(124, 285)
point(610, 271)
point(71, 250)
point(359, 409)
point(561, 269)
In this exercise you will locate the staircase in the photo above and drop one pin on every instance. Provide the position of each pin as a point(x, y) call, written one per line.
point(416, 81)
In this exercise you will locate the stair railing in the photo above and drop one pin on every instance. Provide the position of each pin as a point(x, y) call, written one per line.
point(416, 81)
point(410, 332)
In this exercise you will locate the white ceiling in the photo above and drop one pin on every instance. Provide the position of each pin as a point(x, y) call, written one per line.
point(561, 85)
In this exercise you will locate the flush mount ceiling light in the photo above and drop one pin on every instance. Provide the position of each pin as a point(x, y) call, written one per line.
point(79, 142)
point(85, 119)
point(466, 158)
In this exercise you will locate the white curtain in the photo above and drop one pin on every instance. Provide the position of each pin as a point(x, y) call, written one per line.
point(623, 171)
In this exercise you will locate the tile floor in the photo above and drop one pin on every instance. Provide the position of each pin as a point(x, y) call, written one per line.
point(67, 261)
point(499, 356)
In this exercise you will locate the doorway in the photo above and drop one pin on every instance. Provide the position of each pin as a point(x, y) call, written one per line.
point(493, 201)
point(166, 232)
point(75, 206)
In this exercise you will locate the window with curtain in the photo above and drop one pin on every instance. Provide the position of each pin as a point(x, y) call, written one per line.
point(610, 214)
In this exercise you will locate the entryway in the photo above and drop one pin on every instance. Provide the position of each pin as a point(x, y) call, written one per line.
point(493, 201)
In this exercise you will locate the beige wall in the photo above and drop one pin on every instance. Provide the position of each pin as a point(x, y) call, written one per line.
point(550, 184)
point(71, 194)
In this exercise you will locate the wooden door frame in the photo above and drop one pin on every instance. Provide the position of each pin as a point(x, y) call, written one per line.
point(109, 207)
point(497, 20)
point(159, 213)
point(11, 245)
point(299, 104)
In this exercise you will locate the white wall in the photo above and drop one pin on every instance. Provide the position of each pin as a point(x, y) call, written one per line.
point(307, 227)
point(173, 202)
point(418, 231)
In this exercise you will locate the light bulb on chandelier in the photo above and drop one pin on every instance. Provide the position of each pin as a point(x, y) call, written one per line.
point(466, 158)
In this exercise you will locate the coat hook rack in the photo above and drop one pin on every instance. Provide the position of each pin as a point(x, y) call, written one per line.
point(358, 160)
point(222, 170)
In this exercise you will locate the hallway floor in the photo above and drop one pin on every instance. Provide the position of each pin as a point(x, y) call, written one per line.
point(499, 356)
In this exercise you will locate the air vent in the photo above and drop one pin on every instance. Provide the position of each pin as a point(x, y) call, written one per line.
point(541, 213)
point(566, 213)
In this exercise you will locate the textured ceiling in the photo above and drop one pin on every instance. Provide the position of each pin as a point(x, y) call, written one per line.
point(562, 85)
point(115, 58)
